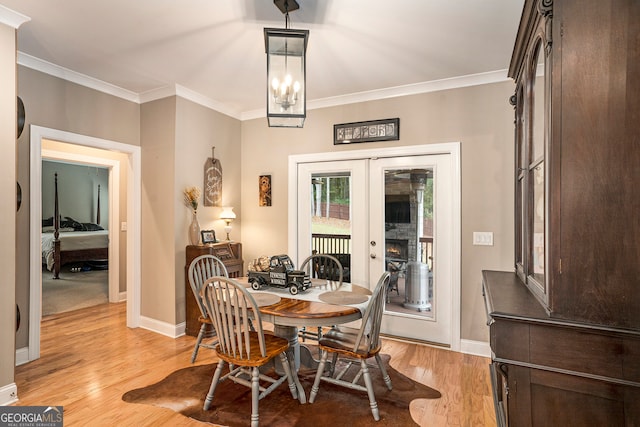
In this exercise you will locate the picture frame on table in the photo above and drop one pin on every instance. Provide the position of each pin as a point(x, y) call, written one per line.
point(208, 237)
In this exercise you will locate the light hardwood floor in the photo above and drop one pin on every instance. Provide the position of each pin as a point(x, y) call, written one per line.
point(89, 359)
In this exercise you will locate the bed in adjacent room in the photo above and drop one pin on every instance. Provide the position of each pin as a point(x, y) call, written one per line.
point(65, 240)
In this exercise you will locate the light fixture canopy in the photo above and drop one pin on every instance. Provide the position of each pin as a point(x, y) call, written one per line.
point(286, 72)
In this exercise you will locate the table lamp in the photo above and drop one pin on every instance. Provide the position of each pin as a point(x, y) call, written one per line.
point(227, 215)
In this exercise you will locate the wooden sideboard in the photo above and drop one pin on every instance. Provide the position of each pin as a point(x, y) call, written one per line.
point(549, 371)
point(235, 268)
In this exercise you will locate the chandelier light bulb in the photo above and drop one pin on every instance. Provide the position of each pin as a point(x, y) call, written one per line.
point(275, 84)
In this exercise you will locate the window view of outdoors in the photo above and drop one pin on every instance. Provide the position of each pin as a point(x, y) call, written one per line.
point(408, 225)
point(330, 205)
point(409, 240)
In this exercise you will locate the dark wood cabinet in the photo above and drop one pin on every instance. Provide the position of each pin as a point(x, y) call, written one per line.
point(565, 324)
point(230, 254)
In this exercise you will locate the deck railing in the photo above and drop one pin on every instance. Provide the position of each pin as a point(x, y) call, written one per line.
point(341, 244)
point(331, 243)
point(426, 251)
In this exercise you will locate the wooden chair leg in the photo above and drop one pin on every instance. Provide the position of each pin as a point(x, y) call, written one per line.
point(198, 341)
point(255, 395)
point(368, 383)
point(383, 370)
point(214, 384)
point(316, 383)
point(287, 370)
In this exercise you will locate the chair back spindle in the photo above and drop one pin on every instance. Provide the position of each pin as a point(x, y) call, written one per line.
point(230, 307)
point(201, 269)
point(372, 317)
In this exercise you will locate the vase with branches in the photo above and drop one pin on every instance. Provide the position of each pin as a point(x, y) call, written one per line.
point(191, 198)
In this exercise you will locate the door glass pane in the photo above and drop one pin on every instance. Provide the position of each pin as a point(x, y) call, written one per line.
point(331, 217)
point(408, 249)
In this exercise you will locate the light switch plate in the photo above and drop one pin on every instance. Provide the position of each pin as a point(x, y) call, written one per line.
point(483, 238)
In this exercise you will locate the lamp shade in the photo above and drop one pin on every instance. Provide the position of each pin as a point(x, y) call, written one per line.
point(286, 76)
point(227, 214)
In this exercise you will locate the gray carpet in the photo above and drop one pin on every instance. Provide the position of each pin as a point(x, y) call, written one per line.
point(73, 290)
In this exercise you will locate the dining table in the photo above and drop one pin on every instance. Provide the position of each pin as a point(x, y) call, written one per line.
point(321, 305)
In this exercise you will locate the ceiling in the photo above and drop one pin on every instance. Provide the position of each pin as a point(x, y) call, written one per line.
point(213, 50)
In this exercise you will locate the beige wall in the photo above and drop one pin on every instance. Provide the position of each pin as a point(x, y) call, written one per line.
point(198, 129)
point(58, 104)
point(177, 137)
point(8, 207)
point(480, 117)
point(157, 131)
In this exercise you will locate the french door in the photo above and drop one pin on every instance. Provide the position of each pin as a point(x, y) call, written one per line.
point(397, 213)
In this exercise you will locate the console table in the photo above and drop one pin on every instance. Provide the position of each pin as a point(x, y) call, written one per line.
point(230, 254)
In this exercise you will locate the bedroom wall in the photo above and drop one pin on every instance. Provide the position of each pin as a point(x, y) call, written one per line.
point(480, 117)
point(77, 191)
point(58, 104)
point(7, 210)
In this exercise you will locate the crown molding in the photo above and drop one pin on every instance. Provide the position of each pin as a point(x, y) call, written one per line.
point(181, 91)
point(12, 18)
point(188, 94)
point(75, 77)
point(393, 92)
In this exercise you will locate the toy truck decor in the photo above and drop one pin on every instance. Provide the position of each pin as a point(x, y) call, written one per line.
point(281, 274)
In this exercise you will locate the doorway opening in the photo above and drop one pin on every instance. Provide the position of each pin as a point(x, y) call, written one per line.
point(132, 164)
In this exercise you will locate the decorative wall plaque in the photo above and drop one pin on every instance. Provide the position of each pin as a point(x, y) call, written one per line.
point(212, 181)
point(374, 130)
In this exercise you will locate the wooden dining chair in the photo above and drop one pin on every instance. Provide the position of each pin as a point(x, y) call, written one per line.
point(327, 270)
point(354, 345)
point(242, 344)
point(201, 269)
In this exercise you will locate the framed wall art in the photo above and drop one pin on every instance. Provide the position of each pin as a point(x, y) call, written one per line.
point(371, 131)
point(264, 190)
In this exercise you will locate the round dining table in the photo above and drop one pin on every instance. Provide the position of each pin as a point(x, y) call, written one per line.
point(289, 312)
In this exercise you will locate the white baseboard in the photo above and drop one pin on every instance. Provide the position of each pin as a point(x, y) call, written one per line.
point(163, 328)
point(22, 356)
point(122, 296)
point(8, 394)
point(478, 348)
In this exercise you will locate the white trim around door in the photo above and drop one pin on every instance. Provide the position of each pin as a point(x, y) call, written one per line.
point(133, 185)
point(452, 149)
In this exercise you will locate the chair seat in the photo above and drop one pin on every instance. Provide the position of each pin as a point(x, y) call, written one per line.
point(343, 340)
point(274, 346)
point(206, 320)
point(360, 344)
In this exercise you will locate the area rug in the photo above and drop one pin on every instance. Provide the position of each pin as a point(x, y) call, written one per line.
point(184, 391)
